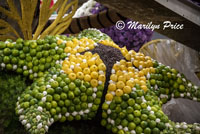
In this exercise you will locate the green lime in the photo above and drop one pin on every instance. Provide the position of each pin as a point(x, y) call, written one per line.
point(144, 117)
point(67, 103)
point(129, 110)
point(138, 130)
point(48, 105)
point(117, 99)
point(105, 106)
point(76, 101)
point(64, 110)
point(83, 88)
point(53, 111)
point(138, 100)
point(72, 86)
point(104, 115)
point(50, 91)
point(63, 96)
point(125, 97)
point(63, 119)
point(103, 122)
point(152, 124)
point(54, 104)
point(137, 107)
point(156, 131)
point(54, 84)
point(97, 101)
point(84, 98)
point(58, 109)
point(6, 51)
point(131, 126)
point(89, 91)
point(100, 88)
point(143, 124)
point(66, 89)
point(70, 95)
point(6, 59)
point(118, 109)
point(99, 94)
point(181, 88)
point(130, 117)
point(84, 105)
point(153, 82)
point(122, 114)
point(137, 113)
point(124, 104)
point(147, 130)
point(152, 117)
point(77, 82)
point(143, 105)
point(124, 123)
point(56, 97)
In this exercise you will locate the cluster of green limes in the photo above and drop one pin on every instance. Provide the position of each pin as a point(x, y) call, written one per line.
point(168, 82)
point(31, 58)
point(137, 112)
point(63, 98)
point(93, 34)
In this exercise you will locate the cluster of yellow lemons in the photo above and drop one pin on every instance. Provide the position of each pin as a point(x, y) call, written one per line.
point(88, 67)
point(125, 76)
point(77, 46)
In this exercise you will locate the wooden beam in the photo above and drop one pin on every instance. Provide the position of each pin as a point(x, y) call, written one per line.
point(145, 11)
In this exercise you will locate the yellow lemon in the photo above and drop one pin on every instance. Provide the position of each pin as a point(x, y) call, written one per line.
point(93, 68)
point(67, 49)
point(72, 76)
point(120, 84)
point(94, 75)
point(111, 87)
point(87, 77)
point(122, 78)
point(101, 66)
point(130, 83)
point(102, 78)
point(113, 77)
point(80, 75)
point(91, 62)
point(127, 89)
point(94, 83)
point(59, 41)
point(119, 92)
point(86, 70)
point(77, 69)
point(83, 65)
point(109, 97)
point(144, 87)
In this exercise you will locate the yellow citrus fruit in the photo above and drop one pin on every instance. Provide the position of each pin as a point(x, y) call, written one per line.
point(94, 83)
point(142, 82)
point(136, 81)
point(73, 51)
point(67, 49)
point(102, 78)
point(123, 67)
point(80, 75)
point(69, 44)
point(77, 69)
point(141, 73)
point(72, 76)
point(127, 76)
point(144, 87)
point(128, 56)
point(109, 97)
point(113, 77)
point(119, 73)
point(83, 65)
point(120, 84)
point(130, 83)
point(143, 78)
point(93, 68)
point(89, 54)
point(86, 70)
point(111, 87)
point(116, 67)
point(123, 62)
point(94, 75)
point(136, 63)
point(68, 71)
point(119, 92)
point(98, 61)
point(129, 64)
point(101, 66)
point(127, 89)
point(80, 49)
point(152, 70)
point(59, 41)
point(122, 78)
point(87, 77)
point(91, 62)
